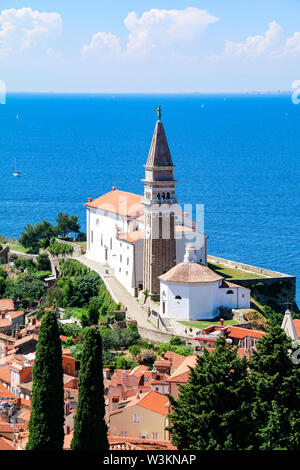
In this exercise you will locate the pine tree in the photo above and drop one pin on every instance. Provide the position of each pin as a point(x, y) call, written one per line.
point(46, 424)
point(90, 430)
point(276, 383)
point(212, 410)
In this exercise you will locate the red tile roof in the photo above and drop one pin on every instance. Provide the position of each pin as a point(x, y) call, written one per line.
point(132, 237)
point(190, 273)
point(119, 202)
point(6, 444)
point(5, 374)
point(135, 443)
point(6, 304)
point(156, 402)
point(297, 326)
point(240, 333)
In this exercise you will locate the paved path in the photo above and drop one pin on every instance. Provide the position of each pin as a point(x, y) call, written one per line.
point(118, 292)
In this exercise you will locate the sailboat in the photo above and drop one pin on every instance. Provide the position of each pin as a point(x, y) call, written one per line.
point(16, 173)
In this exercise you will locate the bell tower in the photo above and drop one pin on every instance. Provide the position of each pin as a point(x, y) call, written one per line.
point(159, 205)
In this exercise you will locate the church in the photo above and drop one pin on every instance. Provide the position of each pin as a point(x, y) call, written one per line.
point(144, 238)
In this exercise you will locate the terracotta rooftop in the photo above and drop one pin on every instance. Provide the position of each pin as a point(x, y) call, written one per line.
point(240, 333)
point(134, 443)
point(297, 326)
point(6, 444)
point(5, 374)
point(151, 400)
point(15, 314)
point(156, 402)
point(132, 237)
point(6, 304)
point(176, 359)
point(119, 202)
point(190, 273)
point(5, 322)
point(182, 373)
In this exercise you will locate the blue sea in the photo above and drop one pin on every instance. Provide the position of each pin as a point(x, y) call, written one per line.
point(236, 154)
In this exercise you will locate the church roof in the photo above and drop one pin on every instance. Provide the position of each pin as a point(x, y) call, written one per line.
point(132, 237)
point(190, 273)
point(119, 202)
point(159, 154)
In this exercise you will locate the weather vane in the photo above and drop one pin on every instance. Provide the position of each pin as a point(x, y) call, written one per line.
point(158, 112)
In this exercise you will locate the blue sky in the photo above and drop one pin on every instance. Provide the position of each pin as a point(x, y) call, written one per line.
point(149, 46)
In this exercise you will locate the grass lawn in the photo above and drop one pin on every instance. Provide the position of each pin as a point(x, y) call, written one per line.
point(231, 273)
point(206, 323)
point(82, 244)
point(17, 247)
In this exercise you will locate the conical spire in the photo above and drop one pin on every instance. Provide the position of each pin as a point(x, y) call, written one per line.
point(288, 326)
point(159, 154)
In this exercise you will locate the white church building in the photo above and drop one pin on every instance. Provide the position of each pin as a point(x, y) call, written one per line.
point(126, 232)
point(192, 291)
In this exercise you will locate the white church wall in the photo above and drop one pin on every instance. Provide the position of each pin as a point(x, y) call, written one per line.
point(174, 308)
point(202, 301)
point(240, 298)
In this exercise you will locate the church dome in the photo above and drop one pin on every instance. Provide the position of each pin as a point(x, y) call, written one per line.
point(190, 271)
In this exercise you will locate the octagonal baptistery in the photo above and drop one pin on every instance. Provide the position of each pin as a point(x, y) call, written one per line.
point(192, 291)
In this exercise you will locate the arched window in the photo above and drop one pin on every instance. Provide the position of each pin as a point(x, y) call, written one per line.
point(168, 195)
point(178, 297)
point(158, 195)
point(229, 292)
point(164, 195)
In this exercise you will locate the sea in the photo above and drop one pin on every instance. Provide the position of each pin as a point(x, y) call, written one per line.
point(238, 155)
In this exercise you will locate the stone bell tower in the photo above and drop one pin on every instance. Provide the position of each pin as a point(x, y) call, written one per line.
point(159, 205)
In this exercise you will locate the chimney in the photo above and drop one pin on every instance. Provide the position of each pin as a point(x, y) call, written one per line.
point(124, 374)
point(222, 321)
point(90, 199)
point(138, 396)
point(115, 379)
point(163, 355)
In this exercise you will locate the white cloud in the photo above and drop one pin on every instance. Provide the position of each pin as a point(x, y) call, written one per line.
point(165, 28)
point(154, 30)
point(104, 42)
point(24, 28)
point(292, 45)
point(255, 45)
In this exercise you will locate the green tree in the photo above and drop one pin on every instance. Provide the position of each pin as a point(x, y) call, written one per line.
point(276, 383)
point(90, 430)
point(93, 310)
point(66, 224)
point(46, 424)
point(212, 410)
point(43, 262)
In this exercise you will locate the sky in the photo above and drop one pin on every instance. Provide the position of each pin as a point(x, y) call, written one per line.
point(147, 46)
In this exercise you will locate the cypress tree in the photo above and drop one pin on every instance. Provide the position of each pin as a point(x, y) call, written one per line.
point(276, 384)
point(212, 410)
point(90, 430)
point(46, 424)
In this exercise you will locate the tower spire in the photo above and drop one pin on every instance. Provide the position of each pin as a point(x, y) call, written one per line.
point(159, 153)
point(159, 205)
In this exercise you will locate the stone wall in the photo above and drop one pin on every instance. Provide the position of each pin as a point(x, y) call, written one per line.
point(274, 290)
point(77, 249)
point(162, 337)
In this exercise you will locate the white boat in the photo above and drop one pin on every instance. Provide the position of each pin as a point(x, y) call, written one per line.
point(16, 173)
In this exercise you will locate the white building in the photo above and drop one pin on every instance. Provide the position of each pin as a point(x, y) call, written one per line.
point(192, 291)
point(116, 227)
